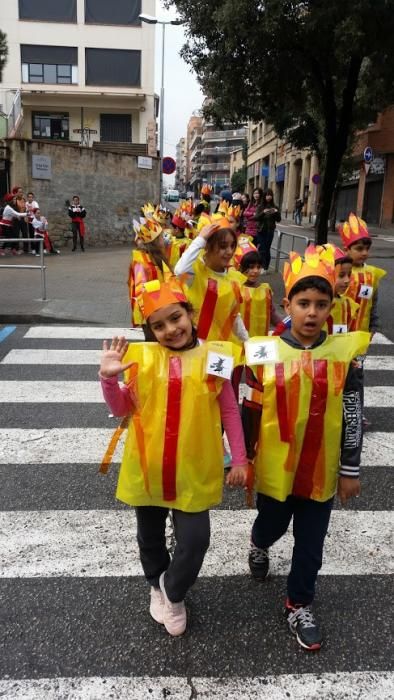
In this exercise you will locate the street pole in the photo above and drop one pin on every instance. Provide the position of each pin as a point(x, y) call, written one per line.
point(161, 146)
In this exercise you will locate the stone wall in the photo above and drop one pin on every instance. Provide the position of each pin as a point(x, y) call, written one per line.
point(110, 185)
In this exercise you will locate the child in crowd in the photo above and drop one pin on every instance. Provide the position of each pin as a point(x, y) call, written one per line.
point(77, 213)
point(9, 215)
point(178, 238)
point(365, 278)
point(213, 288)
point(31, 205)
point(40, 226)
point(164, 467)
point(257, 308)
point(148, 262)
point(302, 418)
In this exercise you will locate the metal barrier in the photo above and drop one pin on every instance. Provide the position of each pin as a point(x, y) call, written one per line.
point(41, 266)
point(281, 236)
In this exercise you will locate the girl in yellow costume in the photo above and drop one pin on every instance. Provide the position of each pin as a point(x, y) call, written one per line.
point(148, 262)
point(179, 239)
point(176, 388)
point(213, 288)
point(344, 311)
point(302, 419)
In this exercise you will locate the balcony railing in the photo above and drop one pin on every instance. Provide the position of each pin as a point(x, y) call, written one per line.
point(196, 136)
point(226, 135)
point(217, 150)
point(215, 167)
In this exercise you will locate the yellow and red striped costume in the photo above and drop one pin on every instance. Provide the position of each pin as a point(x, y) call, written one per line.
point(142, 269)
point(256, 308)
point(343, 313)
point(176, 403)
point(216, 299)
point(370, 276)
point(176, 248)
point(300, 392)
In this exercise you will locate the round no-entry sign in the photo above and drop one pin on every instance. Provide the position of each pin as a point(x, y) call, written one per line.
point(368, 155)
point(169, 165)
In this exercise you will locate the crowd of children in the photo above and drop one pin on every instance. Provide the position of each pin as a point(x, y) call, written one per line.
point(297, 441)
point(21, 218)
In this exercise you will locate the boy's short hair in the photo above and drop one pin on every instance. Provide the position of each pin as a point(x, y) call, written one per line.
point(344, 260)
point(365, 241)
point(312, 282)
point(249, 259)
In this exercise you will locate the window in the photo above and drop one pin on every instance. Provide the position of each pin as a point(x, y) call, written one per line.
point(49, 64)
point(115, 127)
point(115, 67)
point(50, 126)
point(48, 10)
point(124, 12)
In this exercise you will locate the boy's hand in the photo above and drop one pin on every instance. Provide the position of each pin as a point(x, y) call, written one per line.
point(208, 230)
point(347, 488)
point(111, 359)
point(237, 475)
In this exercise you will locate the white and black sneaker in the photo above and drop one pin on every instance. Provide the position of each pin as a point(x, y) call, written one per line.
point(303, 625)
point(259, 562)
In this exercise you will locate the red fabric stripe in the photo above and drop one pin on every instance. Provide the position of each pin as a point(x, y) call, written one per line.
point(207, 310)
point(281, 404)
point(303, 482)
point(172, 428)
point(78, 220)
point(330, 324)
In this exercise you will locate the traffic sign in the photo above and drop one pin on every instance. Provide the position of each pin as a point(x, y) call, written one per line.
point(169, 165)
point(316, 179)
point(368, 155)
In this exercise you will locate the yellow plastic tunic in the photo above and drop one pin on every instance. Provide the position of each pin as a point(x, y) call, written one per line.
point(256, 308)
point(364, 283)
point(343, 316)
point(142, 269)
point(173, 455)
point(176, 248)
point(301, 425)
point(216, 299)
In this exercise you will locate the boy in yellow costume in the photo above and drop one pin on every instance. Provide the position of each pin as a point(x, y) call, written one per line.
point(212, 286)
point(302, 419)
point(175, 389)
point(365, 279)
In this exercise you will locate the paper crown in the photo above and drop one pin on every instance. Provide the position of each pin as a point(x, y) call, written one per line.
point(206, 189)
point(183, 214)
point(353, 230)
point(313, 266)
point(328, 251)
point(146, 230)
point(244, 246)
point(156, 295)
point(218, 219)
point(230, 211)
point(147, 209)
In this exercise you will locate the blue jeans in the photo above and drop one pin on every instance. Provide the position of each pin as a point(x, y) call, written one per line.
point(310, 524)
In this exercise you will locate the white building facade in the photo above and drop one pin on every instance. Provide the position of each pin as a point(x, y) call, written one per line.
point(80, 70)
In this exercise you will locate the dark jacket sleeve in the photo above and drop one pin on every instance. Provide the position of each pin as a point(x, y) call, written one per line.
point(251, 413)
point(374, 321)
point(82, 213)
point(352, 428)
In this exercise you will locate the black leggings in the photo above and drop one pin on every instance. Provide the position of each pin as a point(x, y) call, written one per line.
point(264, 243)
point(192, 534)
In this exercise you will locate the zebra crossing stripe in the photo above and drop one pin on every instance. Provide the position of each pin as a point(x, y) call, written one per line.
point(103, 543)
point(359, 685)
point(83, 332)
point(88, 445)
point(90, 392)
point(380, 339)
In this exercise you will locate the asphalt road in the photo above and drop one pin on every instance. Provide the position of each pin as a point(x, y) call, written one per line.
point(74, 605)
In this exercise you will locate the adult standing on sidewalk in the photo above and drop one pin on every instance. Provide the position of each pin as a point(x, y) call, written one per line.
point(8, 217)
point(267, 216)
point(77, 214)
point(251, 225)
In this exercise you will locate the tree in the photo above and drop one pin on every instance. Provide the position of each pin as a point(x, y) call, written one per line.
point(238, 179)
point(316, 70)
point(3, 52)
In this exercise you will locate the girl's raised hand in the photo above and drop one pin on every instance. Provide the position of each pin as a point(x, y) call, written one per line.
point(111, 359)
point(208, 230)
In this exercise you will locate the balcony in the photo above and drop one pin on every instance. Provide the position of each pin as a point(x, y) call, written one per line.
point(194, 155)
point(215, 167)
point(226, 135)
point(217, 150)
point(195, 138)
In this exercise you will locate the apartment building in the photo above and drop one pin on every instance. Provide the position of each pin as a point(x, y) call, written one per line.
point(80, 70)
point(193, 152)
point(180, 173)
point(291, 174)
point(216, 149)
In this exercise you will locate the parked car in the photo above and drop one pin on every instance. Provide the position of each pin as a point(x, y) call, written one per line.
point(173, 196)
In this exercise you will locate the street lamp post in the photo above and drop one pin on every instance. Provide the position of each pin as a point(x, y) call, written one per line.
point(153, 20)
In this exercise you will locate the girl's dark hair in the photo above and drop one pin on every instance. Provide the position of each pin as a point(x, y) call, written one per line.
point(312, 282)
point(242, 203)
point(264, 201)
point(249, 259)
point(257, 189)
point(156, 253)
point(342, 261)
point(150, 336)
point(218, 237)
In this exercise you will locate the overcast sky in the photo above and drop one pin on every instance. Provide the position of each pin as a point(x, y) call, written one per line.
point(181, 91)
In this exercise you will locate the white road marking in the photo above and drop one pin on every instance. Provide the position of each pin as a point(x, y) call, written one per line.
point(359, 685)
point(88, 445)
point(380, 339)
point(379, 396)
point(83, 332)
point(52, 357)
point(103, 543)
point(379, 362)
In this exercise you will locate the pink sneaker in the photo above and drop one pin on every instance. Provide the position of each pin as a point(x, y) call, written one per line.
point(174, 613)
point(156, 607)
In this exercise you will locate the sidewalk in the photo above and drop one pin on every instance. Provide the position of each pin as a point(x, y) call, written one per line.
point(88, 287)
point(308, 229)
